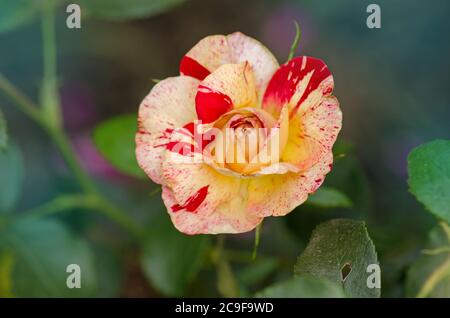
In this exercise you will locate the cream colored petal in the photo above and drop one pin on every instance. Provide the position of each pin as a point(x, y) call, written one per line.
point(213, 51)
point(169, 105)
point(200, 200)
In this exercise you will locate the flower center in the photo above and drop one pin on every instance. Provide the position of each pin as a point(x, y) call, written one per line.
point(244, 141)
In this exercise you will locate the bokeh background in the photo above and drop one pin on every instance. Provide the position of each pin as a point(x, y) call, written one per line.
point(392, 84)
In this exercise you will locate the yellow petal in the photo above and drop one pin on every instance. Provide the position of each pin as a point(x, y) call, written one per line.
point(312, 132)
point(279, 194)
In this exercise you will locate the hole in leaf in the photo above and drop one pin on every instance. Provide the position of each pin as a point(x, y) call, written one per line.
point(345, 271)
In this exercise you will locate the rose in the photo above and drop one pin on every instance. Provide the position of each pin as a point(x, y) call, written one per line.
point(236, 138)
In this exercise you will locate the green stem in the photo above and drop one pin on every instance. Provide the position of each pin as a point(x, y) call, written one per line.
point(257, 239)
point(434, 278)
point(49, 40)
point(63, 144)
point(446, 229)
point(296, 41)
point(71, 202)
point(117, 215)
point(436, 251)
point(49, 119)
point(23, 103)
point(50, 99)
point(58, 136)
point(239, 256)
point(60, 204)
point(103, 206)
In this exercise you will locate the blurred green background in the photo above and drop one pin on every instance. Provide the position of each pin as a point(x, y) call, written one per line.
point(392, 84)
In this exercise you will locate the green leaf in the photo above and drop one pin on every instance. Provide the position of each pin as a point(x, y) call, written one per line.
point(114, 138)
point(303, 287)
point(11, 176)
point(340, 250)
point(3, 132)
point(42, 251)
point(257, 271)
point(125, 9)
point(170, 259)
point(429, 176)
point(14, 14)
point(429, 275)
point(326, 197)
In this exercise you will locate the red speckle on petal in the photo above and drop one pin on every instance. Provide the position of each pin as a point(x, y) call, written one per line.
point(211, 104)
point(182, 148)
point(166, 134)
point(193, 202)
point(328, 90)
point(190, 67)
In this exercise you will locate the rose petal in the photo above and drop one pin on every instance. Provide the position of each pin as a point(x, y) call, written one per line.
point(312, 132)
point(305, 85)
point(231, 85)
point(210, 52)
point(274, 146)
point(211, 104)
point(279, 194)
point(201, 200)
point(264, 64)
point(191, 67)
point(299, 80)
point(169, 105)
point(215, 50)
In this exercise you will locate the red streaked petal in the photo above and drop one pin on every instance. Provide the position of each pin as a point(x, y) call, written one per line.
point(312, 132)
point(230, 86)
point(194, 209)
point(169, 105)
point(191, 67)
point(215, 50)
point(193, 202)
point(200, 138)
point(294, 81)
point(211, 104)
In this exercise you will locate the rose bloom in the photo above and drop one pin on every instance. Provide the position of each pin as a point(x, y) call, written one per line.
point(219, 183)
